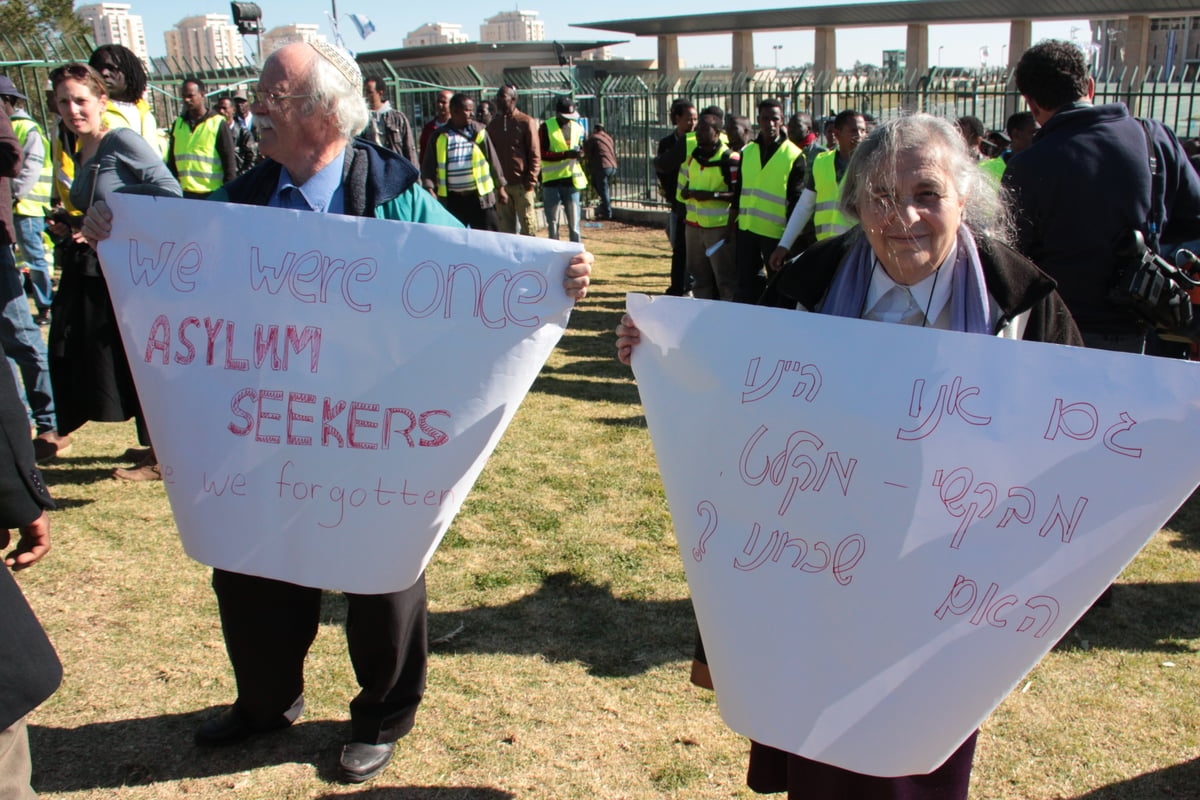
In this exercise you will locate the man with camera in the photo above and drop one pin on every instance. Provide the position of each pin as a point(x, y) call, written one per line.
point(1085, 187)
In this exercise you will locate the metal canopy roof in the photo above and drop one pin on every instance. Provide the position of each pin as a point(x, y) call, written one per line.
point(861, 15)
point(541, 48)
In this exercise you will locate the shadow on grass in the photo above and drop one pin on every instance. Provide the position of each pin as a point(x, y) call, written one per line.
point(1178, 781)
point(1157, 617)
point(143, 752)
point(423, 793)
point(1187, 522)
point(587, 390)
point(58, 475)
point(569, 619)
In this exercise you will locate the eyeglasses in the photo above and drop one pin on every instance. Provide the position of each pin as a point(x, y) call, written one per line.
point(273, 99)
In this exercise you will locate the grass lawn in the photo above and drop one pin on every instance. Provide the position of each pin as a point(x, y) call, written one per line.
point(562, 633)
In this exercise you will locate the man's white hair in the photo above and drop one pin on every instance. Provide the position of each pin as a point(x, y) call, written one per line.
point(334, 96)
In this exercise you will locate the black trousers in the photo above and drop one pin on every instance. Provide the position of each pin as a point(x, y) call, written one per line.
point(466, 209)
point(269, 626)
point(753, 250)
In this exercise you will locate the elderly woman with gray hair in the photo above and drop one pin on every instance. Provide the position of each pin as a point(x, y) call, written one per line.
point(930, 249)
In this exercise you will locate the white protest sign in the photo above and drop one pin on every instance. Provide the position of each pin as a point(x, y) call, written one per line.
point(885, 528)
point(321, 390)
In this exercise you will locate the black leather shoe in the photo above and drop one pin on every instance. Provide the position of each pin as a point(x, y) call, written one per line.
point(361, 761)
point(229, 727)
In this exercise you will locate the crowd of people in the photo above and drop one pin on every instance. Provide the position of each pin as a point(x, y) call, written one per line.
point(919, 221)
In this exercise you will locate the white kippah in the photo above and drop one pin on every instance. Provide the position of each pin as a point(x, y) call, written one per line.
point(341, 61)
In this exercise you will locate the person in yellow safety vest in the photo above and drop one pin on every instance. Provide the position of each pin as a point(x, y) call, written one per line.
point(31, 192)
point(125, 78)
point(201, 155)
point(1020, 129)
point(20, 339)
point(824, 188)
point(561, 138)
point(773, 174)
point(462, 169)
point(708, 184)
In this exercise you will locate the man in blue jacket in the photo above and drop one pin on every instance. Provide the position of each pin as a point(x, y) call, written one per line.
point(1085, 186)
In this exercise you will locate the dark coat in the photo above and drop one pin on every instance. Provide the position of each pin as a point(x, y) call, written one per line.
point(29, 669)
point(1080, 191)
point(1012, 281)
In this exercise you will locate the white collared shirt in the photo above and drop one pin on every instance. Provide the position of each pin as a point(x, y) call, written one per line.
point(932, 294)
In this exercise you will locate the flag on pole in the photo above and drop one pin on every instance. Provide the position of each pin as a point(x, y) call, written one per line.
point(363, 24)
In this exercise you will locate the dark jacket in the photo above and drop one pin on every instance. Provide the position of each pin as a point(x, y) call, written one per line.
point(371, 176)
point(1080, 191)
point(10, 167)
point(394, 132)
point(29, 669)
point(600, 152)
point(667, 162)
point(1013, 282)
point(515, 138)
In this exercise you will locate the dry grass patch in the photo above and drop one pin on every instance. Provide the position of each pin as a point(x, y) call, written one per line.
point(567, 632)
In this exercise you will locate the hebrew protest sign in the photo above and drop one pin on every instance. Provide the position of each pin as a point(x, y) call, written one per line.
point(885, 528)
point(321, 390)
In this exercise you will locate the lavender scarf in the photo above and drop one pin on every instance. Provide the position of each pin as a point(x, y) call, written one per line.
point(968, 299)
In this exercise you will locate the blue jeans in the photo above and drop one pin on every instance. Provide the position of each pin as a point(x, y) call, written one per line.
point(23, 343)
point(33, 250)
point(552, 198)
point(600, 179)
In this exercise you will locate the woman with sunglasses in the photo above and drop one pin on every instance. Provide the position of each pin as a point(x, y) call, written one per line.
point(88, 367)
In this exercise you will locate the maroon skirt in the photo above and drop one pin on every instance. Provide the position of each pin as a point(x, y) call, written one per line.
point(773, 770)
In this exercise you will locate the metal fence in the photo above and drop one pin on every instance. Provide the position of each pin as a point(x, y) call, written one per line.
point(635, 112)
point(633, 108)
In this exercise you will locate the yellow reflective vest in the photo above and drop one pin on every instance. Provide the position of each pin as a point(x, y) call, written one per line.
point(827, 220)
point(708, 177)
point(144, 123)
point(197, 163)
point(763, 208)
point(481, 171)
point(994, 168)
point(37, 202)
point(562, 140)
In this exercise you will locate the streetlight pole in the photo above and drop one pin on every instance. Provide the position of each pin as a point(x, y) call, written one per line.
point(777, 48)
point(941, 47)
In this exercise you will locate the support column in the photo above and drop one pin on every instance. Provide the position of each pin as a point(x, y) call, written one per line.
point(743, 52)
point(916, 64)
point(825, 66)
point(668, 57)
point(1020, 38)
point(668, 71)
point(1137, 49)
point(743, 67)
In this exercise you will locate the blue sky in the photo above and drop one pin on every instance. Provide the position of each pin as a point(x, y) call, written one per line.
point(959, 44)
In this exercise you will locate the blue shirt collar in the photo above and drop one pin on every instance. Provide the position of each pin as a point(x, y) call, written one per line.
point(322, 192)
